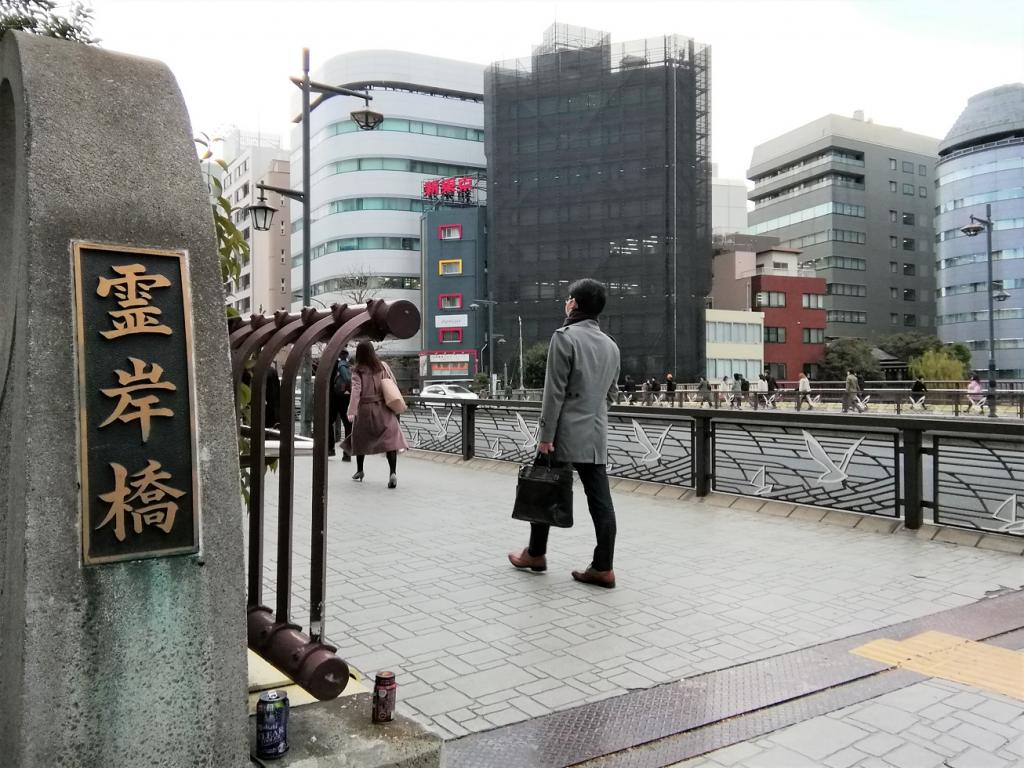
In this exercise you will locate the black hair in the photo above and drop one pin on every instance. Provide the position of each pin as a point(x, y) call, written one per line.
point(590, 296)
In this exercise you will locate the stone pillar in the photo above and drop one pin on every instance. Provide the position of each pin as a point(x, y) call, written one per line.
point(140, 662)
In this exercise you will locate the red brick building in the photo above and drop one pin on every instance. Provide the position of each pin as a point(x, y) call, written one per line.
point(792, 300)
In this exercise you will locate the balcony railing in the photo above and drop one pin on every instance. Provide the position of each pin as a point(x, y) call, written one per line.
point(967, 473)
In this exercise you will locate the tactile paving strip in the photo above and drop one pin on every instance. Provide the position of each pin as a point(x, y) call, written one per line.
point(805, 681)
point(937, 654)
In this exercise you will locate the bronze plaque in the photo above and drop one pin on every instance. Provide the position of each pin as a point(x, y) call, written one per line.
point(136, 418)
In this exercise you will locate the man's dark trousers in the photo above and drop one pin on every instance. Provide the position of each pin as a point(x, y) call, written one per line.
point(599, 501)
point(338, 407)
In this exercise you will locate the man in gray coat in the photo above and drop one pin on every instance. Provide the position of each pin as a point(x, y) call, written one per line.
point(579, 384)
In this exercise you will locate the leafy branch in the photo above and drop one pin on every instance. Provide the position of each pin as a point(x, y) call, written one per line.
point(38, 17)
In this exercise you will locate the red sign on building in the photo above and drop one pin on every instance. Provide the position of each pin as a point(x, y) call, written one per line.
point(450, 189)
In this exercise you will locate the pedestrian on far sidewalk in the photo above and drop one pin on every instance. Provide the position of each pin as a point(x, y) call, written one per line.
point(670, 389)
point(803, 389)
point(704, 394)
point(850, 392)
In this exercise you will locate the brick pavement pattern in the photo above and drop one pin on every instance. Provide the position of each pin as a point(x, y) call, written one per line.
point(926, 725)
point(418, 583)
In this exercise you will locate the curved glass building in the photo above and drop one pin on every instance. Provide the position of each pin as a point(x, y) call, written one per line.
point(981, 162)
point(366, 186)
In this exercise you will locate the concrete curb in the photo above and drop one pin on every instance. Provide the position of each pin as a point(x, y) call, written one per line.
point(868, 523)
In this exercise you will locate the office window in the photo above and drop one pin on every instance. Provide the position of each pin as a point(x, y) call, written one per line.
point(774, 335)
point(909, 294)
point(892, 163)
point(814, 335)
point(909, 244)
point(812, 301)
point(908, 189)
point(894, 292)
point(449, 335)
point(449, 267)
point(908, 219)
point(893, 267)
point(908, 167)
point(778, 370)
point(449, 301)
point(780, 266)
point(841, 262)
point(892, 186)
point(846, 316)
point(910, 320)
point(922, 170)
point(894, 319)
point(893, 241)
point(773, 298)
point(922, 192)
point(909, 270)
point(845, 289)
point(449, 232)
point(892, 216)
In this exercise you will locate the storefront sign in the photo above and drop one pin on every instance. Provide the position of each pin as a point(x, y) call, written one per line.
point(451, 321)
point(137, 425)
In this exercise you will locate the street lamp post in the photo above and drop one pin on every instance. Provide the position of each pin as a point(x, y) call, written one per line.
point(490, 339)
point(263, 215)
point(522, 360)
point(971, 230)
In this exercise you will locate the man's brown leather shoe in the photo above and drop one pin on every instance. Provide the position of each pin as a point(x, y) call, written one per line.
point(604, 579)
point(525, 560)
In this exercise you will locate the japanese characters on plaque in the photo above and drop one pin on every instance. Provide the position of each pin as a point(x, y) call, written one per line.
point(136, 411)
point(456, 188)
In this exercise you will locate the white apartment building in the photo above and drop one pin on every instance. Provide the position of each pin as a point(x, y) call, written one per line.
point(366, 186)
point(728, 204)
point(735, 344)
point(264, 284)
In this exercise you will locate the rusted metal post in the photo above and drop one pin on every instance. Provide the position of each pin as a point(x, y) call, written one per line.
point(312, 663)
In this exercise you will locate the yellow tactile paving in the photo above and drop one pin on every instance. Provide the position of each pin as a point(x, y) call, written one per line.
point(264, 676)
point(937, 654)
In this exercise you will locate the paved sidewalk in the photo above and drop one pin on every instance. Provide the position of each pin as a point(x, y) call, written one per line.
point(418, 583)
point(927, 725)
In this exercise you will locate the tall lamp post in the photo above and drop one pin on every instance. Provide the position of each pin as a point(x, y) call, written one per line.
point(490, 339)
point(522, 360)
point(262, 214)
point(971, 230)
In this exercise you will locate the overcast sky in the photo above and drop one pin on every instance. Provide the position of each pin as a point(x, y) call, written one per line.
point(775, 65)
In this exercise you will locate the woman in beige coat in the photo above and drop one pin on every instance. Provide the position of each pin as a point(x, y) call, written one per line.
point(375, 427)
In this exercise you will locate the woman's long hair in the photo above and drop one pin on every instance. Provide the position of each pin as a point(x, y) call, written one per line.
point(366, 357)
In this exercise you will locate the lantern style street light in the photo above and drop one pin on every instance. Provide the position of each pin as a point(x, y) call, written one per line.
point(263, 215)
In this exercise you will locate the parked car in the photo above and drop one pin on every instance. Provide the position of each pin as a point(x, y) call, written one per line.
point(448, 392)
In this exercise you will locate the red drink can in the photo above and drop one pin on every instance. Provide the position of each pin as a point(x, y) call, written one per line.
point(385, 692)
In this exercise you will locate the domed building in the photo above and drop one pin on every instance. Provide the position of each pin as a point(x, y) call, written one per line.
point(981, 163)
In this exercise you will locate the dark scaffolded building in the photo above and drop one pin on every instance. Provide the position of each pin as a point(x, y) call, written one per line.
point(598, 166)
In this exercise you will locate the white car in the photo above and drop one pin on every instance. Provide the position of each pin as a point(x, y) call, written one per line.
point(448, 391)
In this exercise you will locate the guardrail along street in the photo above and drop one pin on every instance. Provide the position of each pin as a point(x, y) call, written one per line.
point(964, 472)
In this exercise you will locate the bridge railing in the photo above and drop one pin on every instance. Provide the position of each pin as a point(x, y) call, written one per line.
point(966, 472)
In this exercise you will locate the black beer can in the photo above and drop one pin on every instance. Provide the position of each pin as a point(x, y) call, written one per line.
point(385, 691)
point(272, 724)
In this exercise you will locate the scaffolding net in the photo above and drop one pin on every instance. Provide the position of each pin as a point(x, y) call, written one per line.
point(598, 157)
